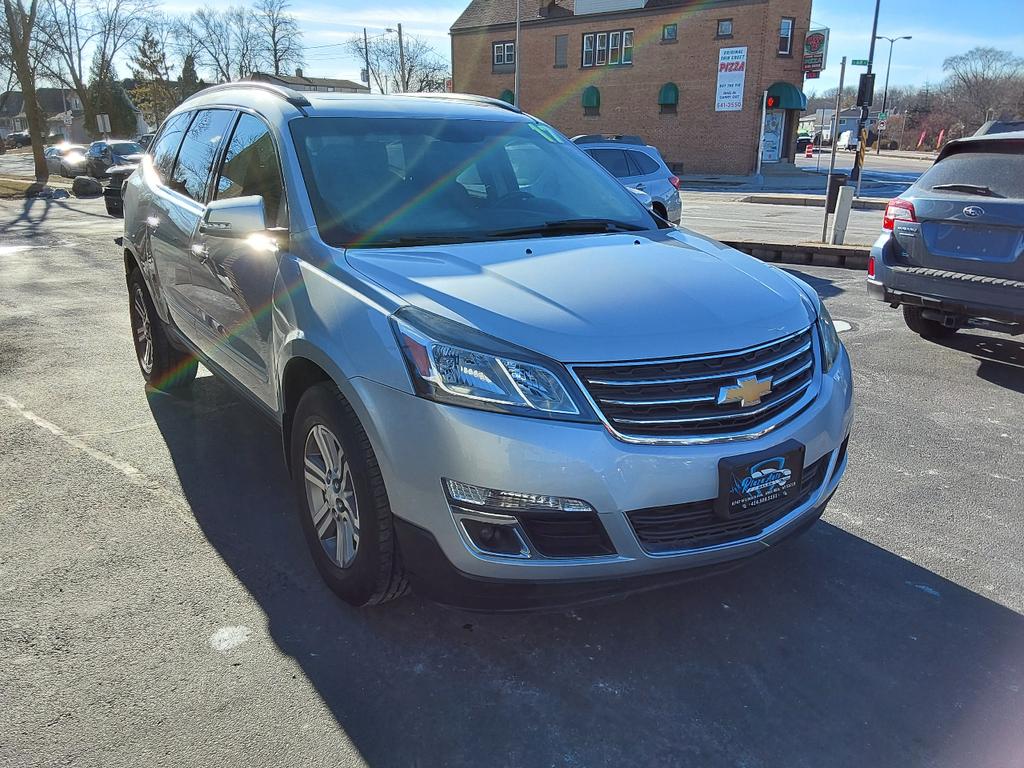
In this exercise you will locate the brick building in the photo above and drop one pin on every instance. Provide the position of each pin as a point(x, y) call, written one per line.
point(686, 75)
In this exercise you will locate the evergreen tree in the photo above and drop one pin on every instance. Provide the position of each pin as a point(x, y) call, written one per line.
point(188, 81)
point(107, 96)
point(154, 93)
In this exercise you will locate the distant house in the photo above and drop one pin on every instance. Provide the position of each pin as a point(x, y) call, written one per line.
point(300, 82)
point(61, 107)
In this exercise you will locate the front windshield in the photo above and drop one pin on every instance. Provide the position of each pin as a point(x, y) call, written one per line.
point(394, 181)
point(126, 148)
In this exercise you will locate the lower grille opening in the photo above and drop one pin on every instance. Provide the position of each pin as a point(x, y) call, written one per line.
point(566, 534)
point(694, 525)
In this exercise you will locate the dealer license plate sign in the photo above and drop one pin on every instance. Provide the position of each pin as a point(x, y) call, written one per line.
point(759, 482)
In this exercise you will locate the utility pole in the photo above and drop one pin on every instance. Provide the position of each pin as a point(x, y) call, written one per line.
point(403, 80)
point(366, 58)
point(515, 86)
point(832, 155)
point(885, 90)
point(861, 124)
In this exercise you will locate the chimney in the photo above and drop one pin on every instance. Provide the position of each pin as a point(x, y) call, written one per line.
point(298, 71)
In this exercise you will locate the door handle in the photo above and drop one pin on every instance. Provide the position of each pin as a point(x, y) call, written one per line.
point(201, 253)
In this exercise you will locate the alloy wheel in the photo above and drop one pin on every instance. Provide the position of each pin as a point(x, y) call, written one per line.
point(330, 496)
point(143, 330)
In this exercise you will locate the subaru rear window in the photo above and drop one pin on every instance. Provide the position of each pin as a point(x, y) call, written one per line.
point(999, 169)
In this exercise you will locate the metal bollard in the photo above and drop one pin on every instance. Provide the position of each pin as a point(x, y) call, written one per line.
point(842, 215)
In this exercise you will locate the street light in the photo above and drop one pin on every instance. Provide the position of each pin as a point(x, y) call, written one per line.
point(885, 91)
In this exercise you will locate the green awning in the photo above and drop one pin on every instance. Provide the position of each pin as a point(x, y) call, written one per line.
point(668, 96)
point(591, 97)
point(787, 96)
point(508, 96)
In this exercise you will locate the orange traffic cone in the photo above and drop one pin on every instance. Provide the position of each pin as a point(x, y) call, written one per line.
point(809, 152)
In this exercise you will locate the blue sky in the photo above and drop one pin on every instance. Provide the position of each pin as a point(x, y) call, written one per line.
point(940, 28)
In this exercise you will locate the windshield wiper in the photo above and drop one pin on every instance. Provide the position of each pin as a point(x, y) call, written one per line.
point(569, 227)
point(971, 189)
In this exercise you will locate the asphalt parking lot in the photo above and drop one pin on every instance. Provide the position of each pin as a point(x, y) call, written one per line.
point(159, 606)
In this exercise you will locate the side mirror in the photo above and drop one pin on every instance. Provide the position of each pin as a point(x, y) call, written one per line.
point(237, 217)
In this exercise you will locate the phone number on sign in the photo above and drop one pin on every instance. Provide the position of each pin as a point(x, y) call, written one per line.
point(730, 104)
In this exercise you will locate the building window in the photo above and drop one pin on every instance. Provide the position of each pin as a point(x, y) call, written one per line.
point(786, 37)
point(668, 98)
point(724, 28)
point(614, 41)
point(504, 53)
point(670, 33)
point(561, 51)
point(591, 100)
point(608, 48)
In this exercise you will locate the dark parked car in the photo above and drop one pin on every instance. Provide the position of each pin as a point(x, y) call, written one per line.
point(145, 140)
point(952, 250)
point(18, 139)
point(117, 175)
point(802, 141)
point(104, 154)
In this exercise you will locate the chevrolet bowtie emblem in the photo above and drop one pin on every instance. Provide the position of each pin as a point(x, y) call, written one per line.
point(747, 392)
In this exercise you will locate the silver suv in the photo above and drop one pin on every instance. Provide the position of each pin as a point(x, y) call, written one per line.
point(637, 165)
point(491, 390)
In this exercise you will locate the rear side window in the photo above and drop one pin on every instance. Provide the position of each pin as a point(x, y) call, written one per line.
point(1000, 169)
point(251, 168)
point(614, 160)
point(644, 163)
point(165, 149)
point(198, 151)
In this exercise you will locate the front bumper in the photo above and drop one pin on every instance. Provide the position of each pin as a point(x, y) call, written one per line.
point(418, 442)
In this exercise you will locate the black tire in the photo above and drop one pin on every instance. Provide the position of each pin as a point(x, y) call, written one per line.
point(375, 573)
point(165, 367)
point(922, 326)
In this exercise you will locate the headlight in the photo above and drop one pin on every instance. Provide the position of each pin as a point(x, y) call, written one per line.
point(452, 363)
point(829, 338)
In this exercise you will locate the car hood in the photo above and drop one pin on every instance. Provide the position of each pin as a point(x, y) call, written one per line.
point(598, 298)
point(124, 159)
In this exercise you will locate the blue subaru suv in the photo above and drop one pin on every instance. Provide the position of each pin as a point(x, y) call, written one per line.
point(951, 252)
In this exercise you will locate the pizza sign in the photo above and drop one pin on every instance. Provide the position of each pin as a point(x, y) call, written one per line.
point(732, 70)
point(815, 50)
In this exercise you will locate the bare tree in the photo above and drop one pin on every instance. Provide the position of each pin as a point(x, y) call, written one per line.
point(226, 42)
point(100, 29)
point(985, 80)
point(21, 22)
point(282, 38)
point(425, 68)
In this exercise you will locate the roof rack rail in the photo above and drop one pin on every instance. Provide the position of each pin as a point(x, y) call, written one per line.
point(471, 98)
point(295, 98)
point(620, 138)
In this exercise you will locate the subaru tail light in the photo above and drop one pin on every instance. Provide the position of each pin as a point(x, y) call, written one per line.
point(871, 266)
point(898, 209)
point(674, 181)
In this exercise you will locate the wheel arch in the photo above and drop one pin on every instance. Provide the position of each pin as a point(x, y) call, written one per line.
point(305, 366)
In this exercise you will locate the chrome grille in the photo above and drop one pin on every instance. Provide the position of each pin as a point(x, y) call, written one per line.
point(678, 399)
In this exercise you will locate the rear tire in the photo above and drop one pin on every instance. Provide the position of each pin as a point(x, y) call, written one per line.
point(340, 492)
point(163, 366)
point(923, 327)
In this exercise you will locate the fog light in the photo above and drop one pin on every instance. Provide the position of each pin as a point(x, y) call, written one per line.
point(509, 501)
point(494, 538)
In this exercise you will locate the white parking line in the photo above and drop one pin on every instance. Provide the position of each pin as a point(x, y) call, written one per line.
point(135, 475)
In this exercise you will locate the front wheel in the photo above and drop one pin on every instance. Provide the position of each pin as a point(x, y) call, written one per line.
point(342, 503)
point(163, 366)
point(922, 326)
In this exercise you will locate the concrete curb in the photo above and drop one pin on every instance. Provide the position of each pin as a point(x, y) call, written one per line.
point(818, 254)
point(816, 201)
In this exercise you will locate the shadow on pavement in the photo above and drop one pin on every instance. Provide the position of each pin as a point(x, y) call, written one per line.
point(824, 287)
point(1000, 359)
point(827, 651)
